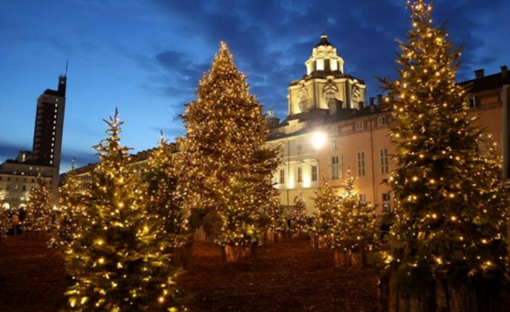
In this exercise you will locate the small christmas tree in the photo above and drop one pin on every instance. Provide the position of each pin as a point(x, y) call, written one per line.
point(355, 230)
point(164, 203)
point(71, 206)
point(115, 258)
point(298, 218)
point(326, 206)
point(5, 223)
point(39, 210)
point(276, 223)
point(450, 197)
point(226, 166)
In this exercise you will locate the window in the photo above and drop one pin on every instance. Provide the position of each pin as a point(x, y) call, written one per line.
point(333, 144)
point(0, 187)
point(335, 167)
point(472, 102)
point(363, 198)
point(300, 174)
point(282, 151)
point(333, 131)
point(384, 160)
point(303, 101)
point(299, 148)
point(381, 121)
point(8, 178)
point(330, 97)
point(24, 187)
point(386, 204)
point(358, 125)
point(361, 164)
point(282, 176)
point(314, 173)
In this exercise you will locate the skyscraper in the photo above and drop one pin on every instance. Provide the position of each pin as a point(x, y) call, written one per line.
point(17, 176)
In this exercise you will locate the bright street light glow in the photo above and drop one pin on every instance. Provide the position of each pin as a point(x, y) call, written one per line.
point(318, 140)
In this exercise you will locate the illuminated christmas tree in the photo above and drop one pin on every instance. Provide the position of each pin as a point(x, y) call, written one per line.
point(326, 206)
point(164, 203)
point(70, 207)
point(39, 210)
point(450, 210)
point(355, 230)
point(298, 218)
point(226, 167)
point(116, 260)
point(5, 223)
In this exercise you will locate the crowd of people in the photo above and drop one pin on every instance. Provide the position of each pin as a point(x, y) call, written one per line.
point(13, 220)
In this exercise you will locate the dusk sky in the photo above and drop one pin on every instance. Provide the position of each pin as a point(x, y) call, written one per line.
point(146, 57)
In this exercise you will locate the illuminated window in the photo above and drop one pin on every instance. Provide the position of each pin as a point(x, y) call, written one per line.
point(363, 198)
point(384, 160)
point(358, 125)
point(381, 120)
point(333, 144)
point(314, 173)
point(361, 164)
point(300, 174)
point(386, 204)
point(335, 167)
point(303, 102)
point(330, 97)
point(282, 176)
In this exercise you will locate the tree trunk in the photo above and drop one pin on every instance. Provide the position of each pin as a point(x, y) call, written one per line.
point(342, 259)
point(383, 293)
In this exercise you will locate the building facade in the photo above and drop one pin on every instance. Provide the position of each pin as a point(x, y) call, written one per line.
point(337, 133)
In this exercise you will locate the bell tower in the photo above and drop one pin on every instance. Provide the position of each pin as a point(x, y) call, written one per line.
point(325, 86)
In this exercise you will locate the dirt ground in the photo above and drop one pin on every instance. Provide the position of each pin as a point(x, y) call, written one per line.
point(287, 276)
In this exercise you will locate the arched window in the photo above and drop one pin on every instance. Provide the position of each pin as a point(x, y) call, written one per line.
point(303, 101)
point(330, 97)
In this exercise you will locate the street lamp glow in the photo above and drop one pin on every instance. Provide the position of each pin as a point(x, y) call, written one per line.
point(318, 140)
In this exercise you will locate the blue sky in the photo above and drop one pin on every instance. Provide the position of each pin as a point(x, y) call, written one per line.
point(146, 57)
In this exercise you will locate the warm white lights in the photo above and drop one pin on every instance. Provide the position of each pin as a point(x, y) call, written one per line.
point(318, 140)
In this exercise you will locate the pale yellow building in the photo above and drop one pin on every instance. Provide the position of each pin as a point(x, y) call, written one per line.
point(353, 134)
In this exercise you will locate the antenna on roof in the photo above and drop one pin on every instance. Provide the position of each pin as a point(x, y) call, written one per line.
point(67, 66)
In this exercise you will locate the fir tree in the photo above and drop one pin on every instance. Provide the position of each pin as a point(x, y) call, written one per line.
point(5, 223)
point(70, 202)
point(164, 203)
point(298, 218)
point(116, 259)
point(355, 227)
point(39, 210)
point(451, 201)
point(326, 206)
point(226, 167)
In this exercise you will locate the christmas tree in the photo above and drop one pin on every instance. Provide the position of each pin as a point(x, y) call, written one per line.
point(298, 218)
point(450, 198)
point(5, 223)
point(39, 210)
point(355, 229)
point(164, 203)
point(226, 167)
point(326, 206)
point(70, 202)
point(115, 258)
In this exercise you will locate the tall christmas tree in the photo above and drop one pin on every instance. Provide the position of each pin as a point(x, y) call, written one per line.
point(71, 206)
point(298, 218)
point(451, 201)
point(355, 229)
point(39, 210)
point(326, 206)
point(164, 202)
point(226, 167)
point(116, 259)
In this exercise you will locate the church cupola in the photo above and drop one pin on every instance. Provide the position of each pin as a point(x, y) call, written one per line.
point(324, 58)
